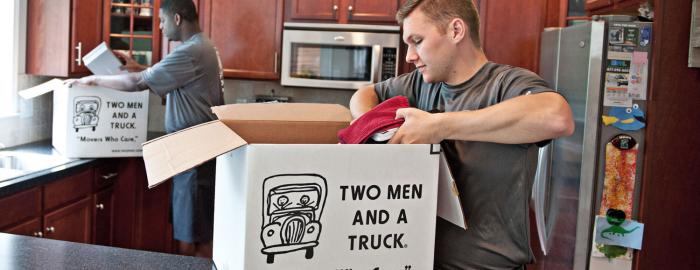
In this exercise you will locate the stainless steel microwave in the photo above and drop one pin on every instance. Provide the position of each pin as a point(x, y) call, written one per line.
point(342, 56)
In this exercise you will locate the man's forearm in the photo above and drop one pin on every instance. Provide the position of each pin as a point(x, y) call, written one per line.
point(362, 101)
point(129, 82)
point(524, 119)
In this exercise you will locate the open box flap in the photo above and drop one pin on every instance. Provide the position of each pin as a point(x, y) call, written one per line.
point(177, 152)
point(287, 112)
point(41, 89)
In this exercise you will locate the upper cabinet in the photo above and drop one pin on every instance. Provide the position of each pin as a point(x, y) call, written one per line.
point(131, 27)
point(343, 11)
point(247, 34)
point(603, 7)
point(59, 33)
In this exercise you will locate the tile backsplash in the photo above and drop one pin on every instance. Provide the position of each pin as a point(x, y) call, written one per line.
point(35, 118)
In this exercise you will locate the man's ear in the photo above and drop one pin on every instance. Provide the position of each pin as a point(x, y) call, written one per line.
point(457, 30)
point(177, 19)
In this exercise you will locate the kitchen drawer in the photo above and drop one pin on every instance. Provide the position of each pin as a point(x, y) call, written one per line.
point(67, 190)
point(106, 174)
point(20, 207)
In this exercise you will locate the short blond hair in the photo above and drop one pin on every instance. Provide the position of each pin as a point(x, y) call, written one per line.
point(441, 12)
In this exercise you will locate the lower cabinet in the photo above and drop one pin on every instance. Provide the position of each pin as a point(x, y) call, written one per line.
point(106, 204)
point(70, 223)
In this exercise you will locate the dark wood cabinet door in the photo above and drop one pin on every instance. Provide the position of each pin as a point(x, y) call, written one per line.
point(102, 229)
point(597, 4)
point(29, 228)
point(48, 46)
point(247, 34)
point(371, 10)
point(20, 207)
point(86, 32)
point(70, 223)
point(314, 10)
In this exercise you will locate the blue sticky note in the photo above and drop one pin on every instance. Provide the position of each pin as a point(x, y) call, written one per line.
point(628, 234)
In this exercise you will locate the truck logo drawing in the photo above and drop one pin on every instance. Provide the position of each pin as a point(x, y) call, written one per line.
point(292, 208)
point(87, 109)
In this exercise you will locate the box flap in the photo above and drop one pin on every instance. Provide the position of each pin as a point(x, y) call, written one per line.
point(41, 89)
point(177, 152)
point(285, 123)
point(300, 112)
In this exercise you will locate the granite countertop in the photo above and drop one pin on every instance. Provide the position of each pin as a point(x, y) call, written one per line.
point(61, 168)
point(23, 252)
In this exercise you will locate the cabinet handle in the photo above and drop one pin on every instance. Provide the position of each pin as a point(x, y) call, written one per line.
point(100, 206)
point(38, 234)
point(275, 70)
point(80, 53)
point(350, 9)
point(109, 176)
point(335, 8)
point(50, 229)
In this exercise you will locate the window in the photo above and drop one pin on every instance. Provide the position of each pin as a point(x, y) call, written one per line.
point(9, 27)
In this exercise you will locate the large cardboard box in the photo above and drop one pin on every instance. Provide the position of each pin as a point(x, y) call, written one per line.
point(288, 197)
point(93, 122)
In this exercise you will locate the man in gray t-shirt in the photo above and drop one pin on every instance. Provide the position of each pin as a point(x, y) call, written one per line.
point(191, 79)
point(489, 119)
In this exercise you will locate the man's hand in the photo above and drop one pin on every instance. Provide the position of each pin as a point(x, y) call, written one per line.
point(419, 127)
point(89, 80)
point(130, 64)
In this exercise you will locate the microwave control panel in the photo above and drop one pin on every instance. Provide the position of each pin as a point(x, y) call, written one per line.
point(388, 63)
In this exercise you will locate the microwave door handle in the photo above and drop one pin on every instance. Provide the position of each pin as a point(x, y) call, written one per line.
point(376, 60)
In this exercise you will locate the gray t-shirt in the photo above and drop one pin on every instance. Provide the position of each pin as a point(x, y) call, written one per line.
point(494, 180)
point(191, 78)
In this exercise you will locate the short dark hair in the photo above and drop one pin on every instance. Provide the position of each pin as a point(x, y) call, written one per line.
point(442, 11)
point(185, 8)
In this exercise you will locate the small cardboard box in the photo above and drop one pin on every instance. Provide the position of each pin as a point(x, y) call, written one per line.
point(289, 197)
point(93, 122)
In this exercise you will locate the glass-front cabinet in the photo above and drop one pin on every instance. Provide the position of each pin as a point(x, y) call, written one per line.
point(132, 28)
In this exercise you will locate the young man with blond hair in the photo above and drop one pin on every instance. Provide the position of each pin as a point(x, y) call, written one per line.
point(490, 120)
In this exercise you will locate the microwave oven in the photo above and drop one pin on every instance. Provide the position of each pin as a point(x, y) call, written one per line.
point(341, 56)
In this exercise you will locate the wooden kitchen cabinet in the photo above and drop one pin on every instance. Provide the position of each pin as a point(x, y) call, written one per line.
point(343, 11)
point(132, 28)
point(604, 7)
point(59, 33)
point(247, 34)
point(105, 177)
point(29, 228)
point(20, 212)
point(70, 223)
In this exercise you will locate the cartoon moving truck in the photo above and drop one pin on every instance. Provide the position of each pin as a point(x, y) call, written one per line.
point(86, 114)
point(292, 207)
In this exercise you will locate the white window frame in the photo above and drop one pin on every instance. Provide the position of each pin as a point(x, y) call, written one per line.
point(18, 59)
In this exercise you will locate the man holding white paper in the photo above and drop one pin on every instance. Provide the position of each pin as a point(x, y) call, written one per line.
point(191, 79)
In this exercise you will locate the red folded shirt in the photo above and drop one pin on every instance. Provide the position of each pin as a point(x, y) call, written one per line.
point(380, 118)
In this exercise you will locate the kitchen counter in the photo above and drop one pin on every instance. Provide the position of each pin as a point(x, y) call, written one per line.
point(22, 252)
point(60, 168)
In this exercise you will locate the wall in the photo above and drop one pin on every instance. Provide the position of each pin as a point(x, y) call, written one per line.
point(34, 120)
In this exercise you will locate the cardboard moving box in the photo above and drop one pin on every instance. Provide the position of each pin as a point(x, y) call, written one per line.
point(93, 122)
point(288, 197)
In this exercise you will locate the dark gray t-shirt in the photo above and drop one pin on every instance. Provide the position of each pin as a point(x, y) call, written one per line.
point(494, 180)
point(191, 78)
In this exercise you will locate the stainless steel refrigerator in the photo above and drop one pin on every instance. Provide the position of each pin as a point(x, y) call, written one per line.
point(588, 64)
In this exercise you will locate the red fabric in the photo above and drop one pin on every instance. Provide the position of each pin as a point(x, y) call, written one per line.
point(380, 118)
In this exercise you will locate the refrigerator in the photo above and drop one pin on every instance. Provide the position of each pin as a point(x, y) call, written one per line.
point(602, 69)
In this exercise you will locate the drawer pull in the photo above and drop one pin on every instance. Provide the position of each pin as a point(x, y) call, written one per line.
point(50, 229)
point(38, 234)
point(100, 206)
point(109, 176)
